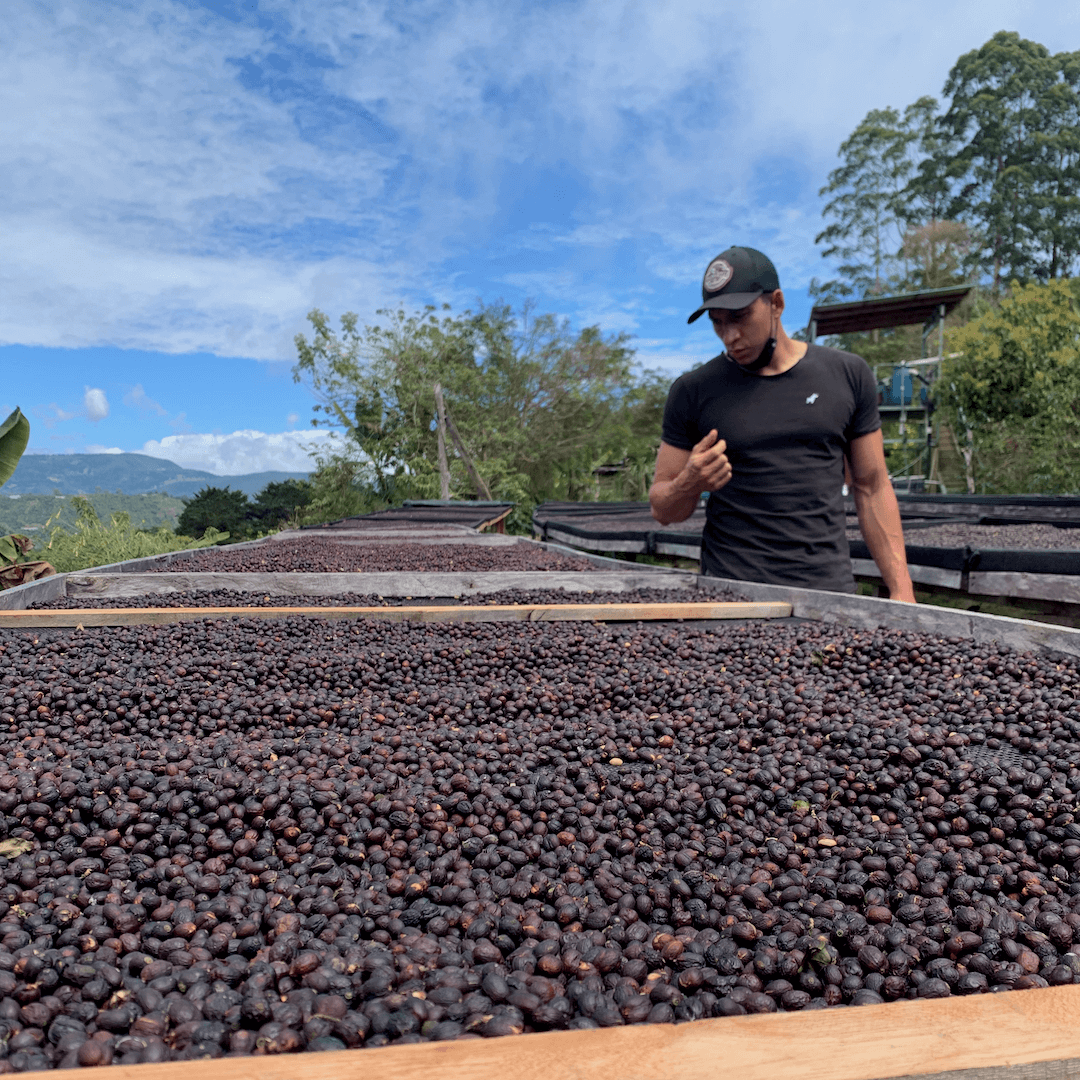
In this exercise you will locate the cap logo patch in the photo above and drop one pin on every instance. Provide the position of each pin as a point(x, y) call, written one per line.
point(717, 275)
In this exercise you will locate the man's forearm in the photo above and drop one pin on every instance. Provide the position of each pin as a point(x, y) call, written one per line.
point(673, 500)
point(879, 520)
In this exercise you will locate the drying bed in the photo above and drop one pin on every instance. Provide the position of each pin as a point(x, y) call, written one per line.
point(269, 837)
point(319, 555)
point(427, 515)
point(1033, 537)
point(218, 598)
point(1043, 562)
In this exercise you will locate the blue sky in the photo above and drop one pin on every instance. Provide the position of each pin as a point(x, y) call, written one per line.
point(182, 181)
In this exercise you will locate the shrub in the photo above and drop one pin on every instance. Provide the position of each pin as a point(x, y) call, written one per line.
point(220, 509)
point(95, 544)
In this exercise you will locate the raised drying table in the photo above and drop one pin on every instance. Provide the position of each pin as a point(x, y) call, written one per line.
point(1030, 1035)
point(628, 528)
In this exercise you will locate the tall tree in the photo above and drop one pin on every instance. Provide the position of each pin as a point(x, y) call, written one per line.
point(871, 199)
point(1057, 171)
point(1002, 162)
point(999, 114)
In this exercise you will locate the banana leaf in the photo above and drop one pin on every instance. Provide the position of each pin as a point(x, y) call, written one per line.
point(14, 435)
point(13, 548)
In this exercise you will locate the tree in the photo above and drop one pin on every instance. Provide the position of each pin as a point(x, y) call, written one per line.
point(1002, 161)
point(1011, 150)
point(533, 404)
point(277, 502)
point(937, 254)
point(215, 508)
point(872, 202)
point(1057, 173)
point(1016, 388)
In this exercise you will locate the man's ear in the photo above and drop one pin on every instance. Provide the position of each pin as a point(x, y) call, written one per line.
point(777, 301)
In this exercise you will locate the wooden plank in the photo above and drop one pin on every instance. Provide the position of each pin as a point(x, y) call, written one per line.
point(1065, 588)
point(873, 1042)
point(478, 613)
point(586, 543)
point(683, 551)
point(33, 592)
point(1036, 1070)
point(596, 560)
point(870, 612)
point(498, 522)
point(380, 584)
point(925, 575)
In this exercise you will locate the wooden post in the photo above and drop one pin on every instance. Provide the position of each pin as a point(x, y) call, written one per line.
point(482, 490)
point(444, 468)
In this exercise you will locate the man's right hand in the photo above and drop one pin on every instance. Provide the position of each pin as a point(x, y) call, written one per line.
point(707, 468)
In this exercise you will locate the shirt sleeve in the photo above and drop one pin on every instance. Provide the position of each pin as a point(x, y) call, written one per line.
point(679, 427)
point(864, 417)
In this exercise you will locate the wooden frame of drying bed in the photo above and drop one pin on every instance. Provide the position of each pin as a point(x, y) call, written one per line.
point(1022, 1035)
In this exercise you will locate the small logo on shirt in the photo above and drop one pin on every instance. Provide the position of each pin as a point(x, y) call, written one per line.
point(811, 399)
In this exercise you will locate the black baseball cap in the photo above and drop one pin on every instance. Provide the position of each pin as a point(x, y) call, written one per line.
point(735, 279)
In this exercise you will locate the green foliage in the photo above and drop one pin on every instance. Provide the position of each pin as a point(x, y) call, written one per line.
point(537, 407)
point(220, 509)
point(989, 188)
point(870, 202)
point(340, 487)
point(229, 511)
point(1012, 150)
point(937, 254)
point(1016, 387)
point(13, 549)
point(15, 567)
point(29, 513)
point(280, 502)
point(93, 543)
point(14, 435)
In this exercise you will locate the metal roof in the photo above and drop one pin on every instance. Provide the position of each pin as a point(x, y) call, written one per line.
point(883, 312)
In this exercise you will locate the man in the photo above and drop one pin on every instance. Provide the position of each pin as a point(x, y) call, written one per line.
point(770, 428)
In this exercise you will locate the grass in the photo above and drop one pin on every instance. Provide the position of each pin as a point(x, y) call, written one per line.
point(94, 543)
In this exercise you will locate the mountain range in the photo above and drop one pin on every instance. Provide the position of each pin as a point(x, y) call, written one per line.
point(127, 474)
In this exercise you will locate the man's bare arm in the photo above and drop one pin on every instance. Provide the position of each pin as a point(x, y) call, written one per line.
point(682, 475)
point(879, 514)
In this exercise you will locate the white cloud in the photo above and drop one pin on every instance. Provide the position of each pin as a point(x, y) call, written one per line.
point(136, 398)
point(177, 180)
point(53, 414)
point(95, 404)
point(94, 448)
point(241, 452)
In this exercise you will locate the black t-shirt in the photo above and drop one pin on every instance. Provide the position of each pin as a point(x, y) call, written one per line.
point(780, 519)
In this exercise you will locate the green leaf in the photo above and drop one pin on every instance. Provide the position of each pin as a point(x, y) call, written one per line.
point(13, 548)
point(14, 435)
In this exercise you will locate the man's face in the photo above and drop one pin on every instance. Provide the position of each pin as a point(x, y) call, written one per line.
point(745, 331)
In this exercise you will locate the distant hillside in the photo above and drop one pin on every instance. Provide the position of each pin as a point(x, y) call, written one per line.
point(126, 474)
point(32, 513)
